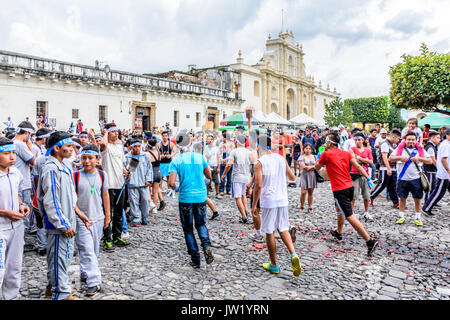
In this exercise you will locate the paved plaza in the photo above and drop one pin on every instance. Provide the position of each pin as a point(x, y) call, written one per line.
point(410, 262)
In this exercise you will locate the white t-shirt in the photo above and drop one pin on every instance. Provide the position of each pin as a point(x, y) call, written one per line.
point(350, 143)
point(240, 158)
point(385, 148)
point(443, 152)
point(113, 159)
point(411, 173)
point(416, 130)
point(379, 141)
point(274, 188)
point(212, 151)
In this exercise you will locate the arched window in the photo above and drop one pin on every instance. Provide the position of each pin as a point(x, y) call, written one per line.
point(256, 88)
point(273, 107)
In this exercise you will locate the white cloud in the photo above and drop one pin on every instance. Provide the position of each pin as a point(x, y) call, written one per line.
point(349, 43)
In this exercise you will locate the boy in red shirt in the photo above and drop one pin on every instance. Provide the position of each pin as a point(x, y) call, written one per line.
point(337, 163)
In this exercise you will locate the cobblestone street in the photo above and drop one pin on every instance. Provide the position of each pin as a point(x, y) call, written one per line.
point(410, 262)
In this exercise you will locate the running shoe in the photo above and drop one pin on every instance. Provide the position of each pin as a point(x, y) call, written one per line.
point(418, 222)
point(296, 265)
point(144, 223)
point(395, 205)
point(120, 242)
point(154, 210)
point(125, 235)
point(371, 246)
point(134, 225)
point(162, 205)
point(428, 213)
point(215, 215)
point(268, 266)
point(400, 221)
point(258, 238)
point(336, 234)
point(195, 265)
point(209, 255)
point(107, 246)
point(218, 196)
point(222, 194)
point(91, 291)
point(371, 202)
point(368, 217)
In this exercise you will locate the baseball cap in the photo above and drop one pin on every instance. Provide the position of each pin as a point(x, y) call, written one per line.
point(383, 130)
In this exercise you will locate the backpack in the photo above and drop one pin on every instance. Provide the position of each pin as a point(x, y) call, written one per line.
point(76, 177)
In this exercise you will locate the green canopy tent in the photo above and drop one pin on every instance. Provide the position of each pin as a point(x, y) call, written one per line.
point(233, 128)
point(435, 120)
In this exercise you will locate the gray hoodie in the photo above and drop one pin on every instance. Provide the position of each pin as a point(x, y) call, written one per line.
point(10, 188)
point(144, 170)
point(56, 196)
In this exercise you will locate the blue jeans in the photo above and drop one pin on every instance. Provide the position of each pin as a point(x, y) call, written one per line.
point(227, 177)
point(374, 170)
point(124, 222)
point(190, 212)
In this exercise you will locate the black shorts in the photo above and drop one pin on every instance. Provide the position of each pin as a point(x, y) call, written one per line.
point(156, 175)
point(413, 186)
point(343, 200)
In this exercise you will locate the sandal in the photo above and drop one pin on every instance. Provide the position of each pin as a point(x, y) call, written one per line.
point(302, 210)
point(310, 210)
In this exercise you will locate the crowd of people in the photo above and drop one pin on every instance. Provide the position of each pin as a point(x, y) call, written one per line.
point(82, 191)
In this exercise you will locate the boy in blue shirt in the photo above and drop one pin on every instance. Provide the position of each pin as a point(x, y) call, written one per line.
point(190, 167)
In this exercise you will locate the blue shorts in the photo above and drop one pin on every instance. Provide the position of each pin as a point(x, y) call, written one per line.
point(164, 167)
point(404, 187)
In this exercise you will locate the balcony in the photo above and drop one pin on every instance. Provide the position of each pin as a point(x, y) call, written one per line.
point(42, 67)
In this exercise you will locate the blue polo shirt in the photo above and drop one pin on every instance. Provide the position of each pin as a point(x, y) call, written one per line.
point(189, 168)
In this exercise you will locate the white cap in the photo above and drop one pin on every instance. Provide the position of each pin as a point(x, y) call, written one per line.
point(383, 130)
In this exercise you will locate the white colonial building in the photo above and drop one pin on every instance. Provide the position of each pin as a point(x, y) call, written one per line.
point(65, 92)
point(278, 82)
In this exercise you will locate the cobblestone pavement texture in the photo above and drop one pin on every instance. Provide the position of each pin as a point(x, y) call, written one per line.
point(410, 262)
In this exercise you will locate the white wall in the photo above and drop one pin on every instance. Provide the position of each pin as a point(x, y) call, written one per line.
point(18, 98)
point(247, 91)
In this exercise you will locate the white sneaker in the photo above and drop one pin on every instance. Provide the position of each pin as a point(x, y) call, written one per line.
point(152, 205)
point(125, 235)
point(174, 194)
point(368, 217)
point(155, 210)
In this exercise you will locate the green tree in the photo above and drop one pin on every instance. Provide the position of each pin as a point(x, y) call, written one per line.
point(369, 110)
point(337, 113)
point(422, 82)
point(395, 119)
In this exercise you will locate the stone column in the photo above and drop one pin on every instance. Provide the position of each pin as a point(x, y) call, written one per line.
point(311, 112)
point(263, 92)
point(299, 101)
point(283, 110)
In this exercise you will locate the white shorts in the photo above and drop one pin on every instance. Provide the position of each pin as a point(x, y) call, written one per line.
point(238, 189)
point(273, 219)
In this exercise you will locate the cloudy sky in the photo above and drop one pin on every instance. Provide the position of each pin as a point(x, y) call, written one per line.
point(348, 43)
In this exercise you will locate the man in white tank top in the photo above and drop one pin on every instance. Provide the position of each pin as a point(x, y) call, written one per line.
point(270, 188)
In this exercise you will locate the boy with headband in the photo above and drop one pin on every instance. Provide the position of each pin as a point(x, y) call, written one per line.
point(91, 185)
point(12, 212)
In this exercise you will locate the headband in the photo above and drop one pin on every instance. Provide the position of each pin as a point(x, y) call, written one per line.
point(328, 140)
point(8, 147)
point(113, 129)
point(83, 135)
point(60, 143)
point(24, 129)
point(136, 144)
point(95, 153)
point(43, 136)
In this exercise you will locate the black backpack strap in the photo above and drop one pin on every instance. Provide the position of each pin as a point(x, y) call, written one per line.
point(102, 177)
point(77, 179)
